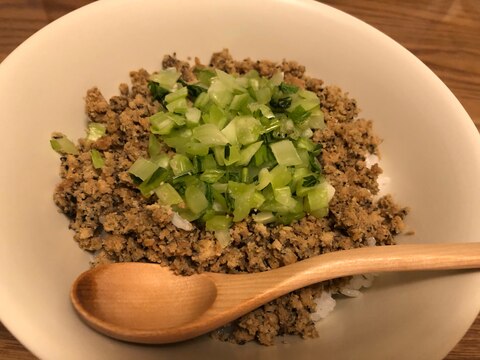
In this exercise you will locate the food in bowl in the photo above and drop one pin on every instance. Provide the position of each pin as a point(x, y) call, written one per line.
point(168, 174)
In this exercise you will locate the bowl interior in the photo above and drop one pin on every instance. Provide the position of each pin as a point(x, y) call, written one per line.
point(431, 152)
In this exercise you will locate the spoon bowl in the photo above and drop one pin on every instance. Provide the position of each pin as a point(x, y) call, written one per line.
point(148, 303)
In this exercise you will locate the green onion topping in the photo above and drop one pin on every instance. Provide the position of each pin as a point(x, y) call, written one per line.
point(242, 147)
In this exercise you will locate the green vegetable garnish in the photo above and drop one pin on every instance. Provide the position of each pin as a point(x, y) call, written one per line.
point(95, 131)
point(97, 159)
point(242, 148)
point(63, 145)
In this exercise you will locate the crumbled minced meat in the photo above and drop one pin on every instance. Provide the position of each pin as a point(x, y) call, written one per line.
point(112, 219)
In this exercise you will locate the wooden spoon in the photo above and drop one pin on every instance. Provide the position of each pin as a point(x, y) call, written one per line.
point(147, 303)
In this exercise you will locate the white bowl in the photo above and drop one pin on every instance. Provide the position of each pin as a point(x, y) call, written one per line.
point(431, 152)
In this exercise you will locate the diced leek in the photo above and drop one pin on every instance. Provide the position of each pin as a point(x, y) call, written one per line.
point(148, 186)
point(96, 131)
point(264, 110)
point(317, 120)
point(154, 146)
point(143, 168)
point(257, 199)
point(97, 159)
point(211, 176)
point(217, 117)
point(195, 148)
point(233, 156)
point(248, 152)
point(63, 145)
point(166, 78)
point(264, 217)
point(208, 162)
point(223, 237)
point(280, 176)
point(193, 116)
point(306, 94)
point(178, 106)
point(264, 179)
point(176, 95)
point(263, 95)
point(230, 132)
point(204, 75)
point(248, 129)
point(284, 196)
point(317, 198)
point(239, 101)
point(162, 160)
point(308, 104)
point(243, 146)
point(167, 195)
point(220, 93)
point(201, 101)
point(219, 203)
point(288, 88)
point(299, 114)
point(277, 78)
point(219, 152)
point(221, 188)
point(180, 164)
point(285, 153)
point(261, 156)
point(209, 134)
point(195, 199)
point(218, 222)
point(161, 124)
point(319, 213)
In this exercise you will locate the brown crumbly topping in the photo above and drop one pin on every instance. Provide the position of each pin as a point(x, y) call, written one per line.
point(111, 218)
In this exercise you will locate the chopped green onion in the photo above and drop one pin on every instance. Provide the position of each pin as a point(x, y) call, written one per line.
point(148, 186)
point(248, 152)
point(162, 160)
point(166, 78)
point(242, 148)
point(285, 153)
point(178, 106)
point(264, 217)
point(223, 237)
point(96, 131)
point(195, 199)
point(248, 129)
point(97, 159)
point(176, 95)
point(288, 88)
point(63, 145)
point(143, 168)
point(211, 176)
point(154, 146)
point(218, 222)
point(209, 134)
point(161, 123)
point(280, 176)
point(193, 116)
point(180, 164)
point(167, 195)
point(202, 101)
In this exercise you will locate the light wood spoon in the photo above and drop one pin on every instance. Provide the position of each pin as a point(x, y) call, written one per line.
point(147, 303)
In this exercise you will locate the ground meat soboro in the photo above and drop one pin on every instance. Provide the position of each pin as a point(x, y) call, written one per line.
point(112, 219)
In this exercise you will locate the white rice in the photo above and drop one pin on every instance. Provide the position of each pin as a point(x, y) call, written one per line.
point(371, 160)
point(325, 305)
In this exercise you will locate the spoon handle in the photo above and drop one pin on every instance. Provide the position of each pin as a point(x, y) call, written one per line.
point(260, 288)
point(383, 259)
